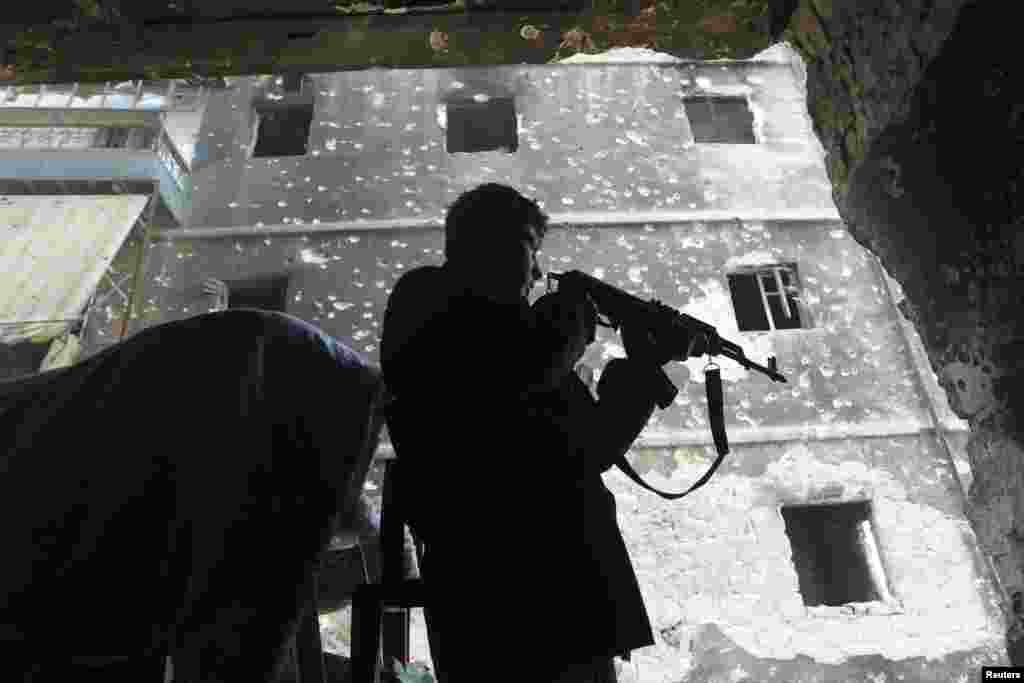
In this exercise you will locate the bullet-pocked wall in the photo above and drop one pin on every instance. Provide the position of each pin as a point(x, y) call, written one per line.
point(590, 139)
point(717, 568)
point(847, 364)
point(724, 577)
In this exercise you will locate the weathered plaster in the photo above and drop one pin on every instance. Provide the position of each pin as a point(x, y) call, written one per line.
point(341, 284)
point(851, 367)
point(597, 138)
point(866, 61)
point(718, 657)
point(723, 556)
point(925, 166)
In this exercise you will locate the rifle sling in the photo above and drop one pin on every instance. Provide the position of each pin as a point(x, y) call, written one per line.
point(713, 385)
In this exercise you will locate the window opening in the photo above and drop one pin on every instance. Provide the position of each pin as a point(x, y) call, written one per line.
point(766, 298)
point(835, 553)
point(481, 126)
point(720, 120)
point(283, 130)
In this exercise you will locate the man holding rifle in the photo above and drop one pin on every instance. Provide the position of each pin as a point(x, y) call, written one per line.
point(502, 449)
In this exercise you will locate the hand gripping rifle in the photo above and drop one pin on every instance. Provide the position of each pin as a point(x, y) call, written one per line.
point(683, 335)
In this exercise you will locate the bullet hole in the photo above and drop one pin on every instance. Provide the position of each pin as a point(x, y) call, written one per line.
point(962, 385)
point(672, 635)
point(986, 369)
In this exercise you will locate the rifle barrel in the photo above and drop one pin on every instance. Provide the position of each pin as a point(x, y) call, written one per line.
point(749, 364)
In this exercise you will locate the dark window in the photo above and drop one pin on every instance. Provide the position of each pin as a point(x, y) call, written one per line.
point(113, 138)
point(720, 119)
point(767, 298)
point(293, 82)
point(283, 131)
point(482, 126)
point(268, 294)
point(835, 553)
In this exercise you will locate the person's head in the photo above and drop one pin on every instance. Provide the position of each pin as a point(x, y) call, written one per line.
point(492, 235)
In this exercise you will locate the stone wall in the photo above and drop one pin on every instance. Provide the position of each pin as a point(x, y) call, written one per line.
point(916, 105)
point(716, 569)
point(593, 138)
point(913, 99)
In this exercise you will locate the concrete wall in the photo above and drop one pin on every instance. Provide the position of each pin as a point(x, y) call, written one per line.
point(851, 367)
point(722, 556)
point(854, 423)
point(719, 581)
point(592, 138)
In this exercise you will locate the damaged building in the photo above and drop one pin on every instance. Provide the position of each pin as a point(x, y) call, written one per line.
point(832, 544)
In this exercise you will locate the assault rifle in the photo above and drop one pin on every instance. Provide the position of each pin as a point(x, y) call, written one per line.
point(683, 336)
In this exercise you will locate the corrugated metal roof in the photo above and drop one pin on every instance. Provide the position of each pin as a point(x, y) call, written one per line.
point(53, 252)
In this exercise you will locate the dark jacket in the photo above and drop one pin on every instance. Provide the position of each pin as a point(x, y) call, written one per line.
point(171, 493)
point(520, 532)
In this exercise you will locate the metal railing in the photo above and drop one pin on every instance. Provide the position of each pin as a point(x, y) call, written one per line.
point(164, 95)
point(171, 159)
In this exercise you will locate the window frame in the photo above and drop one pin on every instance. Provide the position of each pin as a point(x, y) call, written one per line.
point(465, 107)
point(709, 98)
point(791, 294)
point(289, 102)
point(886, 601)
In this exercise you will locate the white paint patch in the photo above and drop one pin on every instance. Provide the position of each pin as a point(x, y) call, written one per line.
point(636, 138)
point(612, 350)
point(759, 119)
point(621, 55)
point(753, 258)
point(312, 256)
point(442, 116)
point(797, 471)
point(779, 52)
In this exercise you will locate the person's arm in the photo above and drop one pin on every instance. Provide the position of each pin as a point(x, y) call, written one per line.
point(601, 432)
point(604, 430)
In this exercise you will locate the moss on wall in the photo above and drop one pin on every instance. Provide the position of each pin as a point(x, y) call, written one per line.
point(95, 42)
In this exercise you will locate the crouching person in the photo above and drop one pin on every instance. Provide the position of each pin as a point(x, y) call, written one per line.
point(170, 496)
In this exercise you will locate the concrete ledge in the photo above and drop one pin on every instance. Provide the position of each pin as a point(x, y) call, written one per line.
point(786, 433)
point(596, 218)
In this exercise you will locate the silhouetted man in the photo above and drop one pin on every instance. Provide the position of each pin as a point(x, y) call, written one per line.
point(502, 448)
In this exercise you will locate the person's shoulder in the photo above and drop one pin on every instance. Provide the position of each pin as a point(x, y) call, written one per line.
point(422, 276)
point(416, 296)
